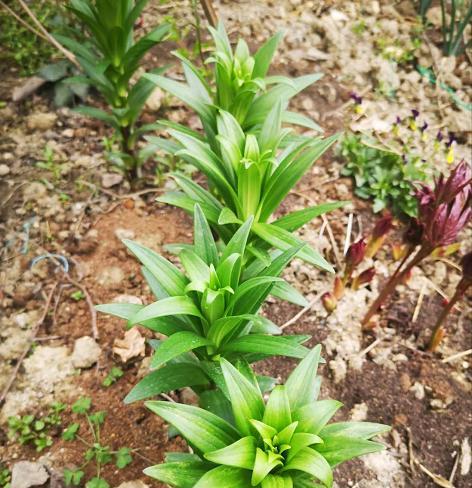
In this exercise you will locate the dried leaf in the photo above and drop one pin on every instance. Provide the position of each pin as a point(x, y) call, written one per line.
point(131, 346)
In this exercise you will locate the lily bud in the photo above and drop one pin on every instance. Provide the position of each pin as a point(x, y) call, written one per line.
point(379, 234)
point(329, 302)
point(399, 251)
point(363, 278)
point(356, 252)
point(338, 288)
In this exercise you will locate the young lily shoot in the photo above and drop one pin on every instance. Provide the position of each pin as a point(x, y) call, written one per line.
point(208, 311)
point(110, 56)
point(286, 442)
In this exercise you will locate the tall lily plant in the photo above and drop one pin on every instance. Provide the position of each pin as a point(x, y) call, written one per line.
point(250, 160)
point(207, 311)
point(284, 443)
point(110, 56)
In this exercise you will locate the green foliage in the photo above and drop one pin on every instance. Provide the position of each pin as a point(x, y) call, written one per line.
point(49, 163)
point(456, 16)
point(208, 311)
point(35, 430)
point(382, 175)
point(250, 160)
point(95, 452)
point(284, 442)
point(77, 295)
point(109, 57)
point(19, 44)
point(65, 92)
point(5, 476)
point(113, 376)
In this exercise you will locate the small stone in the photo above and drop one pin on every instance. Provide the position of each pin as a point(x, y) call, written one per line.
point(124, 234)
point(86, 352)
point(359, 412)
point(466, 457)
point(26, 89)
point(128, 299)
point(133, 484)
point(418, 390)
point(68, 133)
point(154, 102)
point(4, 169)
point(25, 474)
point(34, 191)
point(111, 179)
point(111, 277)
point(42, 121)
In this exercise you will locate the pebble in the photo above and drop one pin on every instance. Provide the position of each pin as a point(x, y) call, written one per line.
point(26, 474)
point(133, 484)
point(86, 352)
point(42, 121)
point(124, 234)
point(111, 179)
point(112, 277)
point(154, 102)
point(4, 169)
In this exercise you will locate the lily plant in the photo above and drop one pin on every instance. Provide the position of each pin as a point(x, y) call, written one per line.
point(286, 442)
point(443, 211)
point(109, 57)
point(207, 311)
point(249, 176)
point(250, 160)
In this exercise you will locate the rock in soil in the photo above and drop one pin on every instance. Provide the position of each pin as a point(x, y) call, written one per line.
point(42, 121)
point(86, 352)
point(25, 474)
point(111, 179)
point(133, 484)
point(4, 169)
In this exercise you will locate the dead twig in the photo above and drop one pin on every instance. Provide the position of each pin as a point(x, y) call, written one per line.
point(458, 355)
point(30, 342)
point(370, 347)
point(303, 311)
point(210, 13)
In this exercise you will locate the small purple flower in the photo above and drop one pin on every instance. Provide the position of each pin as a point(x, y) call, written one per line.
point(415, 113)
point(439, 136)
point(356, 98)
point(398, 120)
point(424, 127)
point(451, 139)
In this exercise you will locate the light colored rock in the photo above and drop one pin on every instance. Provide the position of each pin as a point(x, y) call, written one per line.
point(26, 89)
point(26, 319)
point(42, 121)
point(111, 277)
point(86, 352)
point(154, 102)
point(111, 179)
point(128, 299)
point(4, 169)
point(466, 457)
point(133, 484)
point(386, 467)
point(359, 412)
point(68, 133)
point(124, 234)
point(26, 474)
point(34, 191)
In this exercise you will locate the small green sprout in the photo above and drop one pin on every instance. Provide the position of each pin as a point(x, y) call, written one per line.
point(95, 452)
point(113, 376)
